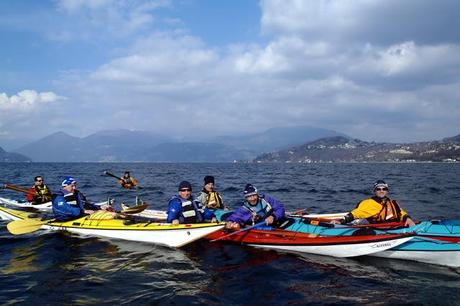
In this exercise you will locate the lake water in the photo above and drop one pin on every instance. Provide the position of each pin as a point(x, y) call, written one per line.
point(57, 268)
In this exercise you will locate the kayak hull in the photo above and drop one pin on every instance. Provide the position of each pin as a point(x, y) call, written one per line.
point(44, 207)
point(427, 251)
point(344, 246)
point(158, 233)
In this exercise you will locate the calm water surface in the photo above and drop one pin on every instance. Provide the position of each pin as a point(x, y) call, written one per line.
point(59, 268)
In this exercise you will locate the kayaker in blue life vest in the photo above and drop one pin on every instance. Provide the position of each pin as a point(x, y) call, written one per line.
point(183, 208)
point(208, 196)
point(378, 209)
point(255, 208)
point(63, 209)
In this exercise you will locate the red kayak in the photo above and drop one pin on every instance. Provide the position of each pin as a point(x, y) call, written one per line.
point(337, 246)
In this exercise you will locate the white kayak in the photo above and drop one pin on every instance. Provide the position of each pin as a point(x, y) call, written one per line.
point(45, 207)
point(99, 225)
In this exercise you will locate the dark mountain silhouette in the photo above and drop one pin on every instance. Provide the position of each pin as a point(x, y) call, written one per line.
point(6, 157)
point(125, 145)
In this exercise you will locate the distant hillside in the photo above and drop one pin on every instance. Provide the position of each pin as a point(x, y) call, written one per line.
point(343, 149)
point(276, 138)
point(6, 157)
point(125, 145)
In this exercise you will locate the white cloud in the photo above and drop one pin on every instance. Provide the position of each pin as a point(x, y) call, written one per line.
point(27, 100)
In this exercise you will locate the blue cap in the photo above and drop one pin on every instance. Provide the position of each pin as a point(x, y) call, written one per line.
point(68, 180)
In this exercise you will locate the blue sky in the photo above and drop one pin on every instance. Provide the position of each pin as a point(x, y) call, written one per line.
point(375, 70)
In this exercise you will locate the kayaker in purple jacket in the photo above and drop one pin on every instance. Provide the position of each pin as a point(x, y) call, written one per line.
point(255, 208)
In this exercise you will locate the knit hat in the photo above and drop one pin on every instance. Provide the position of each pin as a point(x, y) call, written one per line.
point(185, 185)
point(249, 190)
point(208, 179)
point(380, 183)
point(68, 180)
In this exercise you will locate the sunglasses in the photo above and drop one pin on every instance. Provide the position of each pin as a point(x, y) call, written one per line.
point(184, 190)
point(381, 189)
point(39, 180)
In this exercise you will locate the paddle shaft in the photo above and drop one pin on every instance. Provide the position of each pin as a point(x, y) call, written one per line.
point(112, 175)
point(20, 189)
point(240, 231)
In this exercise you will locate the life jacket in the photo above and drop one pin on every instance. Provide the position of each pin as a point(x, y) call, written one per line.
point(260, 211)
point(128, 182)
point(213, 200)
point(390, 211)
point(43, 194)
point(190, 210)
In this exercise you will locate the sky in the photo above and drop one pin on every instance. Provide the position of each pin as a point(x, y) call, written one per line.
point(374, 70)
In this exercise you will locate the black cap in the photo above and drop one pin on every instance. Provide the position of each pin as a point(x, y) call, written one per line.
point(208, 179)
point(185, 185)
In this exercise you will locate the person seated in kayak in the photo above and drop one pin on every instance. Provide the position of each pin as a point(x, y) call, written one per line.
point(256, 208)
point(379, 208)
point(183, 208)
point(127, 181)
point(63, 201)
point(39, 193)
point(208, 196)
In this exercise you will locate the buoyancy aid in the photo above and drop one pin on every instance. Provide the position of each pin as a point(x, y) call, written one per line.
point(213, 200)
point(260, 211)
point(386, 210)
point(43, 194)
point(128, 182)
point(190, 208)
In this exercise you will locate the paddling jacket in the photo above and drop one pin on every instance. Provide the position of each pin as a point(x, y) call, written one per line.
point(378, 210)
point(187, 210)
point(71, 198)
point(128, 183)
point(266, 206)
point(43, 194)
point(63, 210)
point(212, 200)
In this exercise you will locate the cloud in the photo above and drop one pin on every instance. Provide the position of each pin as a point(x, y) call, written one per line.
point(385, 71)
point(27, 100)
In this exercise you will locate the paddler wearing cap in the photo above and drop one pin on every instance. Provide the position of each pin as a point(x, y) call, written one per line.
point(256, 208)
point(379, 208)
point(63, 209)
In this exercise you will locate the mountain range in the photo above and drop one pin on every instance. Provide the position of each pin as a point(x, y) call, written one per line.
point(345, 149)
point(143, 146)
point(6, 157)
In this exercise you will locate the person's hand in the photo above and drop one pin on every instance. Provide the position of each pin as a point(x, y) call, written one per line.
point(409, 222)
point(336, 221)
point(269, 220)
point(213, 220)
point(175, 222)
point(88, 211)
point(233, 226)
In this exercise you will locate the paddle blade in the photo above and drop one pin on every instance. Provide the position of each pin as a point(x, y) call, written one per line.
point(20, 227)
point(135, 209)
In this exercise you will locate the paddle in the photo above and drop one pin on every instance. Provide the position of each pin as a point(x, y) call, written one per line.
point(135, 209)
point(240, 231)
point(19, 227)
point(119, 178)
point(17, 188)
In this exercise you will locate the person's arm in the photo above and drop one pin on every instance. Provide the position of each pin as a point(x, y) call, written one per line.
point(366, 209)
point(30, 195)
point(174, 211)
point(240, 216)
point(209, 215)
point(133, 181)
point(278, 208)
point(63, 209)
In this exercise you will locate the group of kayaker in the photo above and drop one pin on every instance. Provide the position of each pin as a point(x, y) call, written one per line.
point(185, 208)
